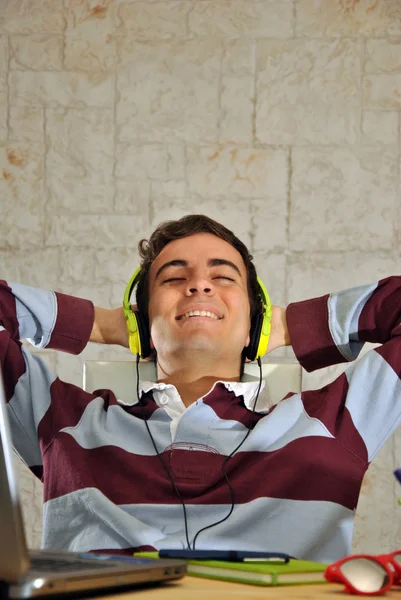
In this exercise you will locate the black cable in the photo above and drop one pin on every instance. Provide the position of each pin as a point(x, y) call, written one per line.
point(228, 458)
point(161, 459)
point(223, 465)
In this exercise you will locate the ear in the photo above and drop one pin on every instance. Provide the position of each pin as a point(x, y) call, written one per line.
point(152, 346)
point(248, 341)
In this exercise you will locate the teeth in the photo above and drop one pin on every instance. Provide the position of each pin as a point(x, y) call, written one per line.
point(199, 313)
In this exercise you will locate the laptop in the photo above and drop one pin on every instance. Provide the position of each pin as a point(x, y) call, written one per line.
point(35, 573)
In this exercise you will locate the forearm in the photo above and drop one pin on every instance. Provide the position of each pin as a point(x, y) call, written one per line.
point(109, 327)
point(279, 335)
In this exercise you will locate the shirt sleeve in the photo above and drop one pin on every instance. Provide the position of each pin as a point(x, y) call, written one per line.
point(333, 329)
point(48, 320)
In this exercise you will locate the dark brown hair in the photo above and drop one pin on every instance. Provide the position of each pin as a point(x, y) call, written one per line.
point(186, 226)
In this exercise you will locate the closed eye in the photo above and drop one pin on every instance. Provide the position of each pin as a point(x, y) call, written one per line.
point(174, 279)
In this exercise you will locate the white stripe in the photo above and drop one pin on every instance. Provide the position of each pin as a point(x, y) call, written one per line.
point(312, 530)
point(374, 399)
point(344, 311)
point(199, 425)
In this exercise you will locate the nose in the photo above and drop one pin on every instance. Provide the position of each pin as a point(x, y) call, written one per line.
point(199, 285)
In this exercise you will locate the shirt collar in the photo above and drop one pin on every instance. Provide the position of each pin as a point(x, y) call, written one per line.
point(246, 389)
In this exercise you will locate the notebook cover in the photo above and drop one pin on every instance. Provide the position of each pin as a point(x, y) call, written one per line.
point(233, 571)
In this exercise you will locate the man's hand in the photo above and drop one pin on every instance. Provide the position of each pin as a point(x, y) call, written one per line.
point(279, 335)
point(109, 326)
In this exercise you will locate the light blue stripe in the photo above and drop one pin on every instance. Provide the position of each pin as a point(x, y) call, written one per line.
point(28, 405)
point(36, 323)
point(312, 530)
point(374, 399)
point(98, 427)
point(344, 311)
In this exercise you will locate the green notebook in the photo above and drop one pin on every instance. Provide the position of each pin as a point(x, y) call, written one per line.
point(294, 572)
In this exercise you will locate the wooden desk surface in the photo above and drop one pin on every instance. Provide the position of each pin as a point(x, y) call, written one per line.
point(196, 588)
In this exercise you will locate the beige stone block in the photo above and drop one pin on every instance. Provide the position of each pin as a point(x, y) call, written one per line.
point(149, 21)
point(237, 18)
point(54, 89)
point(77, 266)
point(239, 56)
point(35, 16)
point(232, 212)
point(297, 124)
point(3, 63)
point(150, 161)
point(314, 274)
point(245, 172)
point(26, 124)
point(79, 160)
point(377, 509)
point(342, 198)
point(21, 193)
point(38, 267)
point(270, 224)
point(168, 90)
point(116, 266)
point(383, 56)
point(347, 17)
point(305, 71)
point(36, 52)
point(237, 107)
point(90, 35)
point(169, 189)
point(94, 231)
point(380, 127)
point(3, 117)
point(272, 269)
point(382, 91)
point(31, 494)
point(132, 197)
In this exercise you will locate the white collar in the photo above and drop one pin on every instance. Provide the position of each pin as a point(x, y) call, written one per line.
point(168, 393)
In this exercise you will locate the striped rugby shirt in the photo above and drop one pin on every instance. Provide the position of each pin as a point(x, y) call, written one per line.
point(296, 479)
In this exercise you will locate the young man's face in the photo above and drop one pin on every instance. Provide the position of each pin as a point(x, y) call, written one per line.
point(199, 273)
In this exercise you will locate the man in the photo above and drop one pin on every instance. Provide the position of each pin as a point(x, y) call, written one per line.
point(154, 473)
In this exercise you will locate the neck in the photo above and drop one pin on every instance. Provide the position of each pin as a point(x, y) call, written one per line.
point(193, 381)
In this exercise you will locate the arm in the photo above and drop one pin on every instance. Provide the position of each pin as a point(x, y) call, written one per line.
point(47, 320)
point(332, 329)
point(109, 327)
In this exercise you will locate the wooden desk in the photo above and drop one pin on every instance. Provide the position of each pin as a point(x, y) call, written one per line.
point(195, 588)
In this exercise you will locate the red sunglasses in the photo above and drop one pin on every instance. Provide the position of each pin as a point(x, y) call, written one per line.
point(366, 575)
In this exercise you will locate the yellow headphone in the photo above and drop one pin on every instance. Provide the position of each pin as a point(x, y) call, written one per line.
point(139, 334)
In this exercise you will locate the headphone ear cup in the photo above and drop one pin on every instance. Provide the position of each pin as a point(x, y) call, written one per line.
point(254, 336)
point(144, 334)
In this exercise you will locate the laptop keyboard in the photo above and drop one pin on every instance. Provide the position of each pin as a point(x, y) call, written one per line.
point(60, 565)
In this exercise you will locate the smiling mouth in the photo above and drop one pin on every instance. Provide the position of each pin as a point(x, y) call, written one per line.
point(199, 313)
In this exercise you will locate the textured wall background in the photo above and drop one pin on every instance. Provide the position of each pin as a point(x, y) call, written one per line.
point(281, 118)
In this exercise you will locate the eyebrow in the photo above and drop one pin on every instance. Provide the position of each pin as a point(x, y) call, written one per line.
point(212, 262)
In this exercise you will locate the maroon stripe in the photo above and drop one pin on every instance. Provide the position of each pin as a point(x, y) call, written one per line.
point(308, 326)
point(381, 314)
point(230, 407)
point(69, 402)
point(73, 324)
point(11, 359)
point(8, 310)
point(328, 405)
point(310, 468)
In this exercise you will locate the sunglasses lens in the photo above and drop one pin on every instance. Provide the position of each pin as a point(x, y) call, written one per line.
point(365, 575)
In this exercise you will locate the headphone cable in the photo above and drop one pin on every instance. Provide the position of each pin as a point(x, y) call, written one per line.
point(168, 471)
